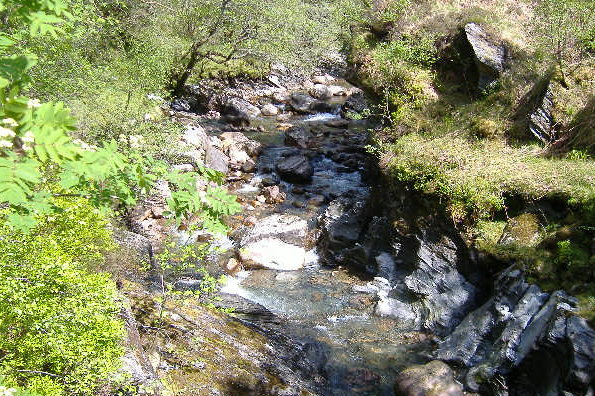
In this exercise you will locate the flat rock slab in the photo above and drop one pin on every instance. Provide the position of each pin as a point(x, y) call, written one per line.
point(273, 254)
point(287, 228)
point(432, 379)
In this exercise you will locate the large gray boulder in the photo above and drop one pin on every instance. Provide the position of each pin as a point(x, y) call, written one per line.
point(301, 102)
point(490, 55)
point(297, 137)
point(295, 169)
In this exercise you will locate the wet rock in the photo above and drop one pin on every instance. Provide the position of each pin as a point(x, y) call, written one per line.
point(297, 137)
point(295, 168)
point(301, 102)
point(432, 379)
point(270, 180)
point(274, 254)
point(521, 322)
point(317, 200)
point(355, 104)
point(270, 110)
point(320, 91)
point(337, 123)
point(490, 55)
point(215, 159)
point(287, 228)
point(319, 106)
point(249, 166)
point(342, 226)
point(274, 195)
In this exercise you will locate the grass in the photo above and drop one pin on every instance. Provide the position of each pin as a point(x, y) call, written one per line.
point(473, 177)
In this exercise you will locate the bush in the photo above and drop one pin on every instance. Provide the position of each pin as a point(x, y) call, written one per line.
point(59, 331)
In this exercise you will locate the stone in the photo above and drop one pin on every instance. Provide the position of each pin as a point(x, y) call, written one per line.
point(297, 137)
point(184, 168)
point(320, 106)
point(233, 266)
point(317, 200)
point(195, 136)
point(240, 142)
point(301, 102)
point(295, 169)
point(431, 379)
point(215, 159)
point(287, 228)
point(250, 221)
point(336, 90)
point(337, 123)
point(322, 79)
point(522, 230)
point(355, 104)
point(320, 91)
point(273, 254)
point(269, 110)
point(140, 246)
point(534, 117)
point(490, 55)
point(249, 166)
point(242, 106)
point(237, 156)
point(522, 323)
point(274, 195)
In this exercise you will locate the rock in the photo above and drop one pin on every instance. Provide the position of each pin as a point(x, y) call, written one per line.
point(215, 159)
point(240, 142)
point(184, 168)
point(195, 136)
point(233, 266)
point(237, 156)
point(242, 106)
point(355, 104)
point(342, 225)
point(522, 323)
point(490, 55)
point(146, 218)
point(297, 137)
point(337, 123)
point(320, 91)
point(522, 230)
point(323, 79)
point(336, 90)
point(431, 379)
point(295, 169)
point(274, 254)
point(287, 228)
point(274, 195)
point(301, 102)
point(140, 246)
point(249, 166)
point(534, 117)
point(250, 221)
point(269, 110)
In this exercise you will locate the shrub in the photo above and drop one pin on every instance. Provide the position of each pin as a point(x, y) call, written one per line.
point(59, 331)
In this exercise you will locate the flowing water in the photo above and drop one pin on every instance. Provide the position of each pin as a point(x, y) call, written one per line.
point(333, 307)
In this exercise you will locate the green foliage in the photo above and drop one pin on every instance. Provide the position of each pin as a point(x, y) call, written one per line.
point(59, 330)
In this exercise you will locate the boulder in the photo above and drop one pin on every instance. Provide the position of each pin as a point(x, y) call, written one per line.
point(522, 230)
point(295, 169)
point(243, 106)
point(146, 218)
point(323, 79)
point(336, 90)
point(195, 136)
point(534, 117)
point(287, 228)
point(431, 379)
point(274, 195)
point(301, 102)
point(297, 137)
point(355, 104)
point(269, 110)
point(320, 106)
point(490, 55)
point(523, 332)
point(274, 254)
point(240, 142)
point(215, 159)
point(320, 91)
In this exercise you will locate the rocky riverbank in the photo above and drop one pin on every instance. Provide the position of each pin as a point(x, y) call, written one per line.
point(344, 278)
